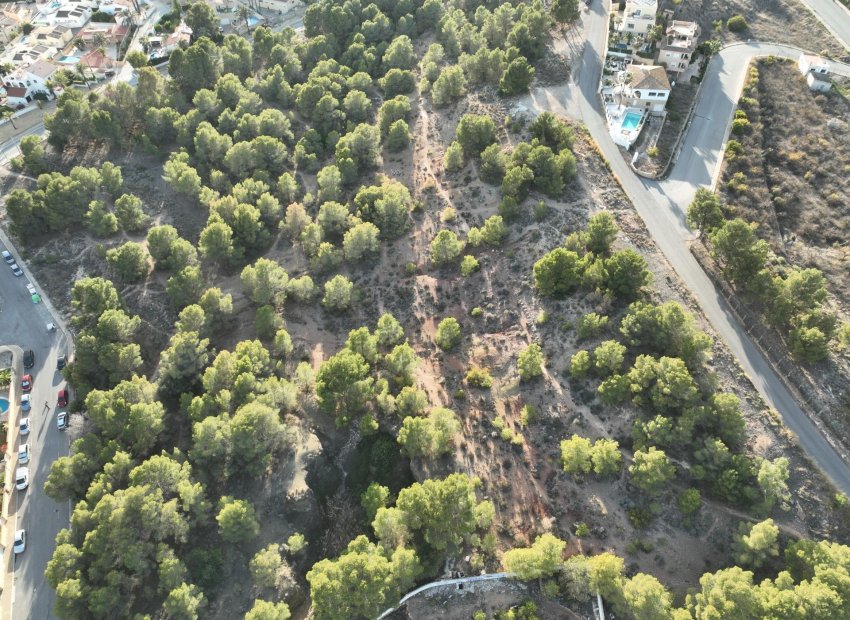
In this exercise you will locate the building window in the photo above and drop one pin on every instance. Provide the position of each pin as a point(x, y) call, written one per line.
point(631, 25)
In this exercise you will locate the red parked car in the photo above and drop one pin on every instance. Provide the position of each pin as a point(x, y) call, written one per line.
point(26, 383)
point(62, 401)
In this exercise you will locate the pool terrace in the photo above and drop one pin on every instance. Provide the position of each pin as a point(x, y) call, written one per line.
point(624, 123)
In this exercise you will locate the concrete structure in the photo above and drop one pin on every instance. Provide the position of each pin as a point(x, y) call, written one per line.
point(677, 49)
point(812, 64)
point(819, 83)
point(639, 16)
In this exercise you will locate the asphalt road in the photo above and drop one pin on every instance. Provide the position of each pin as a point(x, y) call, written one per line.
point(834, 16)
point(23, 323)
point(662, 207)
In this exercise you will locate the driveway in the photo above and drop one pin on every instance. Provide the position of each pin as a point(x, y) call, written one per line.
point(23, 323)
point(662, 205)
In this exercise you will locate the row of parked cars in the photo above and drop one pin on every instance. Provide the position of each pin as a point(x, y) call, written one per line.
point(22, 473)
point(10, 260)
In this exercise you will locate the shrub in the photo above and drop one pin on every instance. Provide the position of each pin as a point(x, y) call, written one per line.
point(740, 126)
point(736, 23)
point(591, 325)
point(530, 362)
point(468, 265)
point(479, 377)
point(448, 334)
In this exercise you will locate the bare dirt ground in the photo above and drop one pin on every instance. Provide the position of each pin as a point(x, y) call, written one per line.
point(780, 21)
point(525, 482)
point(792, 179)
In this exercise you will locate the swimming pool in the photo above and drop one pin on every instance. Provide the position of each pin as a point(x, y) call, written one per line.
point(253, 21)
point(68, 60)
point(4, 405)
point(631, 120)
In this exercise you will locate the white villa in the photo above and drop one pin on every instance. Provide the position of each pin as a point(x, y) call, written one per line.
point(639, 16)
point(640, 91)
point(677, 49)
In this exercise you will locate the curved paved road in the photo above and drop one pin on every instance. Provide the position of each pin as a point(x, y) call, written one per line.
point(662, 204)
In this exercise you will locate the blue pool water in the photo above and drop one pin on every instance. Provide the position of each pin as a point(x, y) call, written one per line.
point(68, 60)
point(4, 405)
point(253, 21)
point(631, 121)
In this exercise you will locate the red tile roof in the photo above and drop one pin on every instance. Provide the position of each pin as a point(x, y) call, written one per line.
point(15, 91)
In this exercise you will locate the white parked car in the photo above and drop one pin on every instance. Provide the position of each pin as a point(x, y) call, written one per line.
point(62, 420)
point(25, 426)
point(20, 541)
point(26, 402)
point(24, 454)
point(22, 478)
point(7, 256)
point(16, 270)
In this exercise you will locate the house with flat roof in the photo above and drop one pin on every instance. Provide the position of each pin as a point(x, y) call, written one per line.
point(676, 50)
point(809, 63)
point(639, 16)
point(73, 15)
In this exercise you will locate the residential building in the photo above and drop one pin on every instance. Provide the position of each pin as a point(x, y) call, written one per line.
point(97, 62)
point(8, 29)
point(113, 33)
point(639, 91)
point(639, 16)
point(678, 46)
point(52, 36)
point(644, 86)
point(72, 15)
point(808, 63)
point(27, 81)
point(17, 97)
point(25, 55)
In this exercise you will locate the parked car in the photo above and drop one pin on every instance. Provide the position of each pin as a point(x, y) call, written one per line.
point(31, 289)
point(26, 383)
point(62, 399)
point(62, 361)
point(16, 270)
point(22, 478)
point(20, 541)
point(29, 358)
point(62, 420)
point(24, 454)
point(26, 402)
point(25, 426)
point(7, 256)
